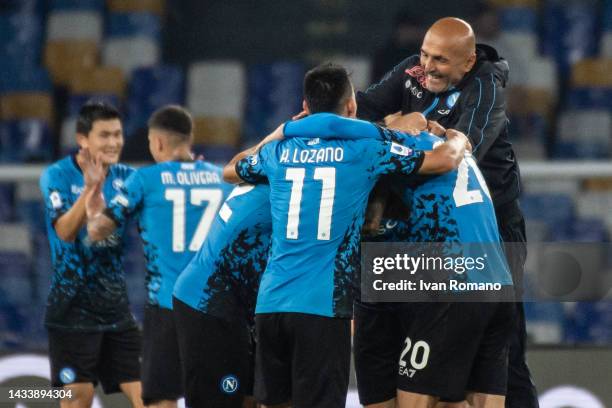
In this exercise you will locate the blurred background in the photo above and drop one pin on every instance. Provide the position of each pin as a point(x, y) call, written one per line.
point(238, 66)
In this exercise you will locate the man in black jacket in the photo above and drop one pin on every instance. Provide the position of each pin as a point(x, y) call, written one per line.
point(458, 84)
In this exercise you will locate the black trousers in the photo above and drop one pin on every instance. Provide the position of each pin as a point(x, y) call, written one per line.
point(521, 388)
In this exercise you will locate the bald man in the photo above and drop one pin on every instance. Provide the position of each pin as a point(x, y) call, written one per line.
point(459, 84)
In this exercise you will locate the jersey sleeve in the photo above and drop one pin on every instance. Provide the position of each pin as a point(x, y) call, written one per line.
point(251, 169)
point(55, 190)
point(483, 115)
point(127, 201)
point(394, 158)
point(386, 96)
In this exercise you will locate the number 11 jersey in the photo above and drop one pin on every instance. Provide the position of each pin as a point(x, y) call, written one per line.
point(318, 194)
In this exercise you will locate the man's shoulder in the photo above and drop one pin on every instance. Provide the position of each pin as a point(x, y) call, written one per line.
point(58, 170)
point(120, 170)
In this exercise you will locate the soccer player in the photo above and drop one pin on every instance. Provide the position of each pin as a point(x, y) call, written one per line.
point(460, 84)
point(214, 302)
point(92, 334)
point(175, 202)
point(412, 354)
point(318, 193)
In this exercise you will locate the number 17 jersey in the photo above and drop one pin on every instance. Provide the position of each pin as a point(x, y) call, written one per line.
point(175, 204)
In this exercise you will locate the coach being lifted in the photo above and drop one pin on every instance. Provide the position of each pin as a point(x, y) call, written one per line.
point(458, 84)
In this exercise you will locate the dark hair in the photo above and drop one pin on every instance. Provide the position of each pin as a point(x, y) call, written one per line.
point(93, 111)
point(173, 119)
point(326, 88)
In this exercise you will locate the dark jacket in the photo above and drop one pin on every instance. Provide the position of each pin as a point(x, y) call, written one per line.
point(476, 106)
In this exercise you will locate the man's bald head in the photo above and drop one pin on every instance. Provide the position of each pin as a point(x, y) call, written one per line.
point(448, 53)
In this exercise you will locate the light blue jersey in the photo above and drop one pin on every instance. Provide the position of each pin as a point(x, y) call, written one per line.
point(175, 204)
point(453, 207)
point(318, 194)
point(88, 290)
point(223, 277)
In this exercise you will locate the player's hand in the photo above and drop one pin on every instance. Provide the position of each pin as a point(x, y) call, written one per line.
point(300, 115)
point(95, 204)
point(453, 134)
point(411, 123)
point(93, 170)
point(435, 128)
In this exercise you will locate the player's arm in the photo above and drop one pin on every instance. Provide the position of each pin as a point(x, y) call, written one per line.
point(68, 225)
point(385, 97)
point(232, 172)
point(483, 116)
point(447, 156)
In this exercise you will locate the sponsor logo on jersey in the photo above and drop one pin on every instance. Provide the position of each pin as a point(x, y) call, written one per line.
point(444, 111)
point(416, 91)
point(77, 190)
point(313, 142)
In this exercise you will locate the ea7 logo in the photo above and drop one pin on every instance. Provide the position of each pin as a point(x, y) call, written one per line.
point(229, 384)
point(419, 357)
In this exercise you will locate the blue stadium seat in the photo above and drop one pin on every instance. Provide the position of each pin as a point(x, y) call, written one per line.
point(134, 25)
point(22, 7)
point(581, 230)
point(570, 31)
point(7, 202)
point(76, 101)
point(18, 79)
point(554, 209)
point(25, 140)
point(518, 19)
point(545, 321)
point(93, 5)
point(590, 322)
point(590, 98)
point(21, 38)
point(16, 276)
point(151, 88)
point(274, 95)
point(216, 154)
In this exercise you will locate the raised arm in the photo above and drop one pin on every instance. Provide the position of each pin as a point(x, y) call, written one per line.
point(230, 174)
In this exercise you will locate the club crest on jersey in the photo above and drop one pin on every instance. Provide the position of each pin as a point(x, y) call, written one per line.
point(452, 99)
point(117, 184)
point(401, 150)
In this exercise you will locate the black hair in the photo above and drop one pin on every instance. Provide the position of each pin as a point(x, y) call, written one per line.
point(93, 111)
point(173, 119)
point(326, 88)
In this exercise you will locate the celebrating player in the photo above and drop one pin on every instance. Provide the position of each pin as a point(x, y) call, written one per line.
point(92, 334)
point(318, 193)
point(175, 202)
point(464, 345)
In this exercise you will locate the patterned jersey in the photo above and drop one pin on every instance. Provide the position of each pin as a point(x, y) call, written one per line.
point(453, 207)
point(88, 290)
point(175, 204)
point(223, 277)
point(318, 194)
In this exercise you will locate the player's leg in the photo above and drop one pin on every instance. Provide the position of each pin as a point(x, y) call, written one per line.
point(73, 357)
point(522, 392)
point(81, 395)
point(377, 345)
point(272, 361)
point(162, 381)
point(119, 364)
point(413, 400)
point(133, 392)
point(321, 360)
point(480, 400)
point(488, 378)
point(214, 358)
